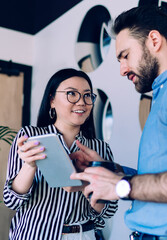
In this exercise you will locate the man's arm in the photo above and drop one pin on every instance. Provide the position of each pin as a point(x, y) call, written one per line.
point(149, 187)
point(146, 187)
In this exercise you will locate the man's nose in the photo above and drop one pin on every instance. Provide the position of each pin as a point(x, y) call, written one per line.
point(124, 69)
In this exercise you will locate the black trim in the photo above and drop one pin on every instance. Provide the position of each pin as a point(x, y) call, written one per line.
point(13, 69)
point(76, 228)
point(145, 96)
point(33, 15)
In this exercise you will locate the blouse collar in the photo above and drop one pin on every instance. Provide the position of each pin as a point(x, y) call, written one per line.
point(79, 136)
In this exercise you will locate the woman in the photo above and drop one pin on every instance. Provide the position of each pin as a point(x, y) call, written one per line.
point(43, 212)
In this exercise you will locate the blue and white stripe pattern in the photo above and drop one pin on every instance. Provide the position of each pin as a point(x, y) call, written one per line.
point(41, 212)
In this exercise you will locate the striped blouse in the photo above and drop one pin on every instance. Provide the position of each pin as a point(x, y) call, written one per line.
point(42, 211)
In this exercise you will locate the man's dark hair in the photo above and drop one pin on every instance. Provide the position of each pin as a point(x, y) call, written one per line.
point(141, 20)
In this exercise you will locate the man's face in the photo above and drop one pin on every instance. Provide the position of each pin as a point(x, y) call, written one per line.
point(136, 62)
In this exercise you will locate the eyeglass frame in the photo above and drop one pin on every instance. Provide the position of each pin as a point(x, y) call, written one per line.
point(80, 96)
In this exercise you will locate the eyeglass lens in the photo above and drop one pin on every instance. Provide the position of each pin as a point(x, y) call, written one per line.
point(74, 96)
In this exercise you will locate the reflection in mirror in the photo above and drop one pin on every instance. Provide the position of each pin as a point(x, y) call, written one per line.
point(103, 116)
point(107, 121)
point(105, 40)
point(93, 39)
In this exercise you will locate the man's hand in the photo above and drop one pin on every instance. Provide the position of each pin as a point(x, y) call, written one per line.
point(102, 183)
point(84, 156)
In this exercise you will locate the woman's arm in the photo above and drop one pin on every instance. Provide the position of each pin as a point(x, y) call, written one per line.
point(29, 153)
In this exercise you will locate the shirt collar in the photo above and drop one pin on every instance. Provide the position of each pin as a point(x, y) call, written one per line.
point(161, 79)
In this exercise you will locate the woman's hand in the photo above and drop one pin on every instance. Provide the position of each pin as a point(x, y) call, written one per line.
point(30, 151)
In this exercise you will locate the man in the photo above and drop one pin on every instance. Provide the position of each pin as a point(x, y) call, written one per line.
point(141, 49)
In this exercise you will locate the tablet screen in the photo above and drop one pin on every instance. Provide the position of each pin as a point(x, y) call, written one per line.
point(57, 166)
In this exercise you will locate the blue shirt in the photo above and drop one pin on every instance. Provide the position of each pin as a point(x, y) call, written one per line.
point(147, 217)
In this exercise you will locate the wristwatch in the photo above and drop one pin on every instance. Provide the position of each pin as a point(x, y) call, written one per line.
point(123, 187)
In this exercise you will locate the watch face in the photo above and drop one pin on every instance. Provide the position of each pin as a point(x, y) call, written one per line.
point(123, 188)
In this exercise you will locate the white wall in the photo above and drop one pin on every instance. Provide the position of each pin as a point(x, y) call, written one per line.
point(16, 46)
point(53, 48)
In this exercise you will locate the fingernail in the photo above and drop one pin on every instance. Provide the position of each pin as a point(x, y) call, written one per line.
point(42, 148)
point(36, 143)
point(25, 136)
point(43, 156)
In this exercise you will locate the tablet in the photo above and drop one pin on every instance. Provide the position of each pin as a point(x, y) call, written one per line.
point(57, 166)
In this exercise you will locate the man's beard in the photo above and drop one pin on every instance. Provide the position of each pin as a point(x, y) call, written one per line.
point(148, 70)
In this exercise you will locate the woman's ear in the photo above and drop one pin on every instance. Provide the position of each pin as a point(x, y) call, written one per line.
point(52, 102)
point(154, 41)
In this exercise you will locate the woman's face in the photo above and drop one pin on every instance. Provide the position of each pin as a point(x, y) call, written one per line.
point(71, 114)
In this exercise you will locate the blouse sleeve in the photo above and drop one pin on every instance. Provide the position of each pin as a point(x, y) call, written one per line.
point(12, 199)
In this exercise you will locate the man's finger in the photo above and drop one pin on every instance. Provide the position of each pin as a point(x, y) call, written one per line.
point(81, 156)
point(77, 155)
point(87, 151)
point(83, 176)
point(89, 154)
point(99, 171)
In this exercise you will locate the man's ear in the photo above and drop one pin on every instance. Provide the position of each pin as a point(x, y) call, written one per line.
point(154, 41)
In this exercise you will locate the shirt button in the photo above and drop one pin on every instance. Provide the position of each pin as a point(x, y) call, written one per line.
point(162, 86)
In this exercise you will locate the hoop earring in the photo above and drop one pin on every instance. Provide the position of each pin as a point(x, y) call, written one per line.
point(52, 113)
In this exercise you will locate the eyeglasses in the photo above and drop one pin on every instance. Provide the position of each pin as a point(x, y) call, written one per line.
point(75, 96)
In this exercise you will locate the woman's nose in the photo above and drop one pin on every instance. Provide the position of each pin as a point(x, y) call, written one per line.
point(81, 100)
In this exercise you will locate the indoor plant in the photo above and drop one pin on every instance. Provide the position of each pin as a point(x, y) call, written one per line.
point(7, 134)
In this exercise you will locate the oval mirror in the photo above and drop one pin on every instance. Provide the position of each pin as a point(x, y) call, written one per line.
point(103, 116)
point(93, 39)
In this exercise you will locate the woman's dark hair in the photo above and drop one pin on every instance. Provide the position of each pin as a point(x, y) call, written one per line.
point(44, 119)
point(141, 20)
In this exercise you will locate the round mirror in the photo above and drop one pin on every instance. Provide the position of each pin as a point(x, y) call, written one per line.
point(103, 116)
point(93, 39)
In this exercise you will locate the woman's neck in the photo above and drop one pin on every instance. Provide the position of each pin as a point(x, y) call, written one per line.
point(69, 133)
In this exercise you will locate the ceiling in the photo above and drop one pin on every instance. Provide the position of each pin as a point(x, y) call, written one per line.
point(32, 15)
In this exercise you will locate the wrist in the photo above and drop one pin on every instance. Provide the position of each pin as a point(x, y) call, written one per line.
point(123, 187)
point(31, 166)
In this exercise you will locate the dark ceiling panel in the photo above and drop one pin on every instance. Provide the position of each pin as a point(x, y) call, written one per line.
point(32, 15)
point(17, 15)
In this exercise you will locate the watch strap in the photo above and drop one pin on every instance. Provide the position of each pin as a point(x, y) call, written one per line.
point(127, 178)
